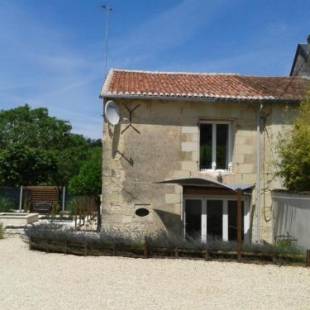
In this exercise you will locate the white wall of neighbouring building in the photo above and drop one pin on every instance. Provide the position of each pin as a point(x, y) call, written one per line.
point(291, 213)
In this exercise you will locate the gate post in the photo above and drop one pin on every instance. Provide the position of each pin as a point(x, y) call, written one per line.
point(239, 224)
point(308, 258)
point(20, 199)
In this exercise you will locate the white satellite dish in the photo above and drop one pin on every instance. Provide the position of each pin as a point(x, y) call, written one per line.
point(111, 112)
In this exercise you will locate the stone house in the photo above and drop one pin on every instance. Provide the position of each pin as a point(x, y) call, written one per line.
point(188, 145)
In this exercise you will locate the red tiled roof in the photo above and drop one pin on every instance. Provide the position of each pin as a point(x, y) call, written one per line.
point(125, 83)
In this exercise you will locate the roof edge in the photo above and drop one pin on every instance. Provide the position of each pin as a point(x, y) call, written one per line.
point(106, 83)
point(294, 61)
point(198, 98)
point(175, 72)
point(204, 180)
point(201, 73)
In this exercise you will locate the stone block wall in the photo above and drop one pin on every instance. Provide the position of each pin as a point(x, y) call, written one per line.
point(164, 144)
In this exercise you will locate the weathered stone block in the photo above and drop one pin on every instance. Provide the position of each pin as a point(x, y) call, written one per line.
point(180, 174)
point(189, 146)
point(245, 149)
point(238, 158)
point(186, 137)
point(172, 198)
point(189, 165)
point(186, 156)
point(246, 168)
point(249, 158)
point(190, 129)
point(195, 157)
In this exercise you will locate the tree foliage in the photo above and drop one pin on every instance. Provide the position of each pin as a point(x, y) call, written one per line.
point(294, 151)
point(27, 166)
point(36, 148)
point(88, 181)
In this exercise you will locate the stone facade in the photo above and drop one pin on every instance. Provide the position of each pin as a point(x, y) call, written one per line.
point(164, 144)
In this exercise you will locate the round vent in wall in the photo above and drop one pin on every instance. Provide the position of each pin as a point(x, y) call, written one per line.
point(142, 212)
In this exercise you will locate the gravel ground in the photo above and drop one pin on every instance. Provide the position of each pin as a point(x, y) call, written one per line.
point(36, 280)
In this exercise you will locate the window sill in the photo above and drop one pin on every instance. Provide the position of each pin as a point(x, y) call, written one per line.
point(216, 172)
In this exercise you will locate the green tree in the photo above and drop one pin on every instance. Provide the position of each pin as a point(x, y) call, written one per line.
point(36, 148)
point(27, 166)
point(88, 181)
point(294, 152)
point(33, 128)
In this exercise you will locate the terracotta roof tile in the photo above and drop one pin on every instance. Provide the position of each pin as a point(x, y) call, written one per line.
point(125, 83)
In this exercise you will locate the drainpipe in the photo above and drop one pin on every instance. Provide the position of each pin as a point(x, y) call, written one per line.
point(103, 116)
point(100, 207)
point(258, 173)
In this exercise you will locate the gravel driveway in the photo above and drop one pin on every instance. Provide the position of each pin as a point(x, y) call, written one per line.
point(35, 280)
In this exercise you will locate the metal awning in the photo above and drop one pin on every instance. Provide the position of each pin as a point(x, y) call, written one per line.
point(208, 183)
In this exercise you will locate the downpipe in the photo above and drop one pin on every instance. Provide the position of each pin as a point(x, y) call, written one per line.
point(258, 174)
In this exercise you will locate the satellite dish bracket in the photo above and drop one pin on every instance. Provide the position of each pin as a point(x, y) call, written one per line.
point(130, 111)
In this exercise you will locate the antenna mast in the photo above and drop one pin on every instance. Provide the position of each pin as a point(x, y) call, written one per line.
point(108, 10)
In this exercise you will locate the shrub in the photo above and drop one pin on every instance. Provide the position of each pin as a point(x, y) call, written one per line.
point(1, 231)
point(55, 210)
point(172, 241)
point(294, 152)
point(6, 204)
point(88, 181)
point(59, 233)
point(73, 206)
point(120, 240)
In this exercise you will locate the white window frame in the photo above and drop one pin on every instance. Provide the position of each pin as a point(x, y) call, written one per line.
point(229, 155)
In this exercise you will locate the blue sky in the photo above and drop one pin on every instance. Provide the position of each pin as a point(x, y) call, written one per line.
point(52, 51)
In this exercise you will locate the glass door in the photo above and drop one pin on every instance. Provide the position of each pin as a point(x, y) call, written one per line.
point(214, 219)
point(193, 211)
point(208, 219)
point(232, 220)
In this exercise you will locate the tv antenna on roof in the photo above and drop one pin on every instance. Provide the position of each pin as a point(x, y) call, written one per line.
point(108, 10)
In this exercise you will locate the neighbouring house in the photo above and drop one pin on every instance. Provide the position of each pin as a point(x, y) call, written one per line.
point(190, 146)
point(301, 63)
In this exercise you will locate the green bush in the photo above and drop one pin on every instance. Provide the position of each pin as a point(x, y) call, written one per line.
point(88, 181)
point(294, 152)
point(1, 231)
point(6, 204)
point(73, 206)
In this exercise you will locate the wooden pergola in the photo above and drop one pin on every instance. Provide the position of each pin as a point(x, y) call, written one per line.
point(42, 194)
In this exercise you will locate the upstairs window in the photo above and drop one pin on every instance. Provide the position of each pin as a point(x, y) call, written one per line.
point(215, 146)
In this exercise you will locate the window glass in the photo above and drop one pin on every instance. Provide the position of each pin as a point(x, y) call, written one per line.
point(205, 146)
point(221, 146)
point(232, 220)
point(215, 219)
point(193, 210)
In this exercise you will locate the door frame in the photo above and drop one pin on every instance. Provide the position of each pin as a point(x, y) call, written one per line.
point(204, 215)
